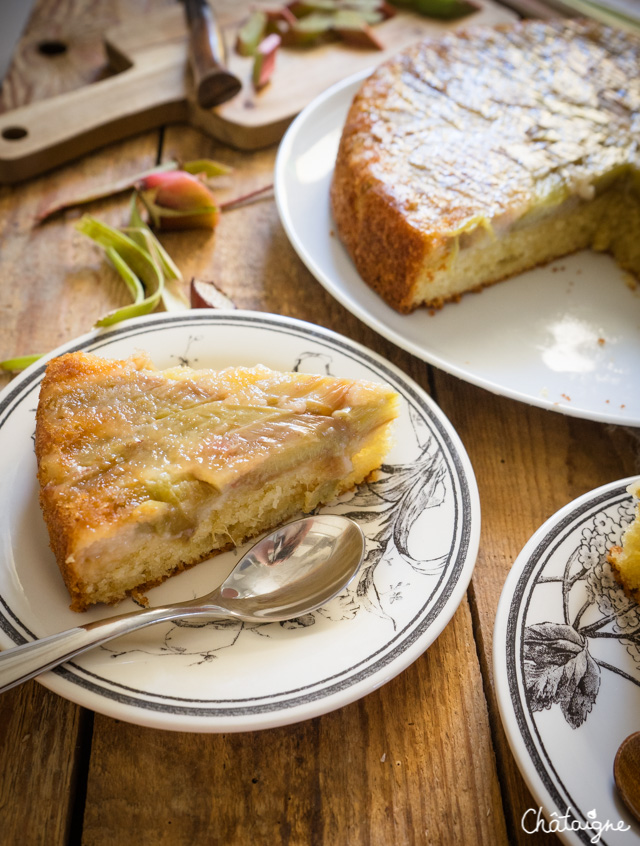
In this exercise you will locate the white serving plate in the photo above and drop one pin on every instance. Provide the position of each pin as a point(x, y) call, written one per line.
point(565, 337)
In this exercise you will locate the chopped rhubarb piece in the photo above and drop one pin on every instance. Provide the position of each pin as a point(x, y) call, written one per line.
point(387, 10)
point(302, 8)
point(206, 294)
point(251, 33)
point(353, 28)
point(279, 15)
point(444, 9)
point(370, 10)
point(265, 60)
point(367, 6)
point(309, 30)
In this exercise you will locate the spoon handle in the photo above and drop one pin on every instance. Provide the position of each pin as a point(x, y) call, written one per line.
point(30, 659)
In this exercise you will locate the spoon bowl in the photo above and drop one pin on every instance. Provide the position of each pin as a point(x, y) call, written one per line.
point(294, 570)
point(290, 572)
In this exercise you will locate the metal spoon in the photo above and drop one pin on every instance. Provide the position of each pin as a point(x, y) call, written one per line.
point(626, 772)
point(291, 572)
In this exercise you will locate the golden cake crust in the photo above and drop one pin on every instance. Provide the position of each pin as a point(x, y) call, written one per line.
point(462, 138)
point(145, 472)
point(614, 557)
point(625, 558)
point(61, 517)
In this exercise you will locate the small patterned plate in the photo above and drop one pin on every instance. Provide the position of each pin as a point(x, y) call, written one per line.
point(566, 654)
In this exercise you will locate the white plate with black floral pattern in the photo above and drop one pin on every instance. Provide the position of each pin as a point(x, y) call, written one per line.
point(420, 517)
point(566, 656)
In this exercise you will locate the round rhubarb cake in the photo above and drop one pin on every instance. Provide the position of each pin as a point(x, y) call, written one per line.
point(470, 158)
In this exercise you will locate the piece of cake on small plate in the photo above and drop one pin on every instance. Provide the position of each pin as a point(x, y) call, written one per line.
point(625, 559)
point(145, 472)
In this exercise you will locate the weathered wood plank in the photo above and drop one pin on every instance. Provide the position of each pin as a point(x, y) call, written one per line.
point(39, 749)
point(410, 763)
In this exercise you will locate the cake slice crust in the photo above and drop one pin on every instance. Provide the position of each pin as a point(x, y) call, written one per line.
point(145, 472)
point(625, 558)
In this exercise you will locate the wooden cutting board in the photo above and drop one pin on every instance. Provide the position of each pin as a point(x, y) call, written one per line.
point(152, 86)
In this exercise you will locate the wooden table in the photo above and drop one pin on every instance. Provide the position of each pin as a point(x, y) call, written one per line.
point(422, 760)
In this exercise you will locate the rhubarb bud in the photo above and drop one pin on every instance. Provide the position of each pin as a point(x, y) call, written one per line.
point(177, 200)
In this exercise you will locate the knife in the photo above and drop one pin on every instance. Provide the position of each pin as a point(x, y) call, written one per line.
point(214, 84)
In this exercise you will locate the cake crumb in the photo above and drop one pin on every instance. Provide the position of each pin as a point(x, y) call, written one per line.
point(139, 598)
point(384, 758)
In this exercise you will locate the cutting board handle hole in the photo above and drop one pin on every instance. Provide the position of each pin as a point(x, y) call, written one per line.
point(14, 133)
point(52, 48)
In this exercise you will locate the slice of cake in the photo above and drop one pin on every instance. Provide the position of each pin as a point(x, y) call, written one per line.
point(479, 155)
point(145, 472)
point(625, 559)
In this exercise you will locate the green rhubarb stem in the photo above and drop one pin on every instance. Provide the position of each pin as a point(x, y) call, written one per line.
point(19, 362)
point(140, 232)
point(139, 262)
point(130, 279)
point(112, 190)
point(205, 167)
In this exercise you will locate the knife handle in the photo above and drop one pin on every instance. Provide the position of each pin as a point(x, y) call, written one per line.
point(213, 82)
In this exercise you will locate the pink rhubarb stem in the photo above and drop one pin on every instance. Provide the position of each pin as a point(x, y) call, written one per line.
point(228, 204)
